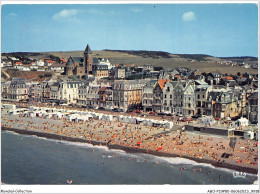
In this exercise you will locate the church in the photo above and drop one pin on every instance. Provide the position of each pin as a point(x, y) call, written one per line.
point(80, 65)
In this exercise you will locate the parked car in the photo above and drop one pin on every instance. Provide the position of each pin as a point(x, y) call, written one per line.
point(101, 108)
point(178, 114)
point(160, 113)
point(117, 110)
point(187, 119)
point(151, 113)
point(169, 114)
point(180, 119)
point(137, 111)
point(195, 117)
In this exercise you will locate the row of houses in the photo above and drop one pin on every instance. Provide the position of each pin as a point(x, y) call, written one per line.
point(181, 97)
point(194, 97)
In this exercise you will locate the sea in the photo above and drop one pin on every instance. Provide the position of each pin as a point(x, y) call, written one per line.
point(29, 160)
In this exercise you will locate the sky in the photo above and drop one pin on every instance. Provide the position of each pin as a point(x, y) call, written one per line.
point(221, 30)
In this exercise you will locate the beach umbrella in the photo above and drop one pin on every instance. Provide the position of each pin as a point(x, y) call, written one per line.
point(139, 142)
point(159, 148)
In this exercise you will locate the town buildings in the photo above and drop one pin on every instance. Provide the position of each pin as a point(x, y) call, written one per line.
point(96, 83)
point(127, 94)
point(158, 95)
point(147, 95)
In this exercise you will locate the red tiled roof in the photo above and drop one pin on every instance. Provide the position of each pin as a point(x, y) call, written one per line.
point(49, 61)
point(161, 83)
point(18, 63)
point(228, 78)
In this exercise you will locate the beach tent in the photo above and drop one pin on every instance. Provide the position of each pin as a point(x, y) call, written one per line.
point(126, 119)
point(29, 114)
point(249, 135)
point(100, 115)
point(207, 120)
point(58, 115)
point(168, 125)
point(148, 122)
point(12, 112)
point(72, 118)
point(46, 115)
point(242, 122)
point(31, 108)
point(9, 106)
point(109, 117)
point(120, 118)
point(132, 120)
point(140, 120)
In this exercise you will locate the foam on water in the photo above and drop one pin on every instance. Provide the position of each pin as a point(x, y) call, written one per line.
point(118, 151)
point(101, 147)
point(88, 145)
point(175, 160)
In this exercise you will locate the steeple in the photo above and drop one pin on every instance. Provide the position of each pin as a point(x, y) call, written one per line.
point(87, 50)
point(70, 62)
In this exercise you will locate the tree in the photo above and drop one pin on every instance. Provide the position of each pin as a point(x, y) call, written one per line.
point(238, 73)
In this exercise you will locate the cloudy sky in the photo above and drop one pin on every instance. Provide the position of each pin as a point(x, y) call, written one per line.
point(214, 29)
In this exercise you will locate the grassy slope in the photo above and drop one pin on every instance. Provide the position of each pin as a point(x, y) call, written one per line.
point(169, 63)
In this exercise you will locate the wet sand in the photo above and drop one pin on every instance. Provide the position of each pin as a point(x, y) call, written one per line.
point(142, 139)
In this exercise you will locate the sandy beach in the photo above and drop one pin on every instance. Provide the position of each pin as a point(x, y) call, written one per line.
point(145, 139)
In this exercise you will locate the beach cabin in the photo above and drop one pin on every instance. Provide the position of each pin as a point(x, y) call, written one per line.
point(242, 122)
point(29, 114)
point(207, 120)
point(46, 115)
point(139, 120)
point(148, 122)
point(9, 106)
point(58, 115)
point(12, 112)
point(132, 120)
point(107, 117)
point(158, 123)
point(249, 135)
point(31, 108)
point(168, 125)
point(120, 118)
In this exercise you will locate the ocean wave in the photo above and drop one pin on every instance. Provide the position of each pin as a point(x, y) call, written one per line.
point(88, 145)
point(118, 151)
point(175, 160)
point(12, 132)
point(101, 147)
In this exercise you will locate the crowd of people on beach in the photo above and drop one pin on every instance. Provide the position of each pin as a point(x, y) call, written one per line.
point(179, 142)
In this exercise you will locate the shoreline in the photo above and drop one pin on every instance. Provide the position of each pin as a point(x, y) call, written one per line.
point(130, 149)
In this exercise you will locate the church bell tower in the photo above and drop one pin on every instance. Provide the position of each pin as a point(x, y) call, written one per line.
point(88, 60)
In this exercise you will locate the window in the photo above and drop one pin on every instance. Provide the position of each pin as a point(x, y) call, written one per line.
point(170, 96)
point(165, 96)
point(198, 96)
